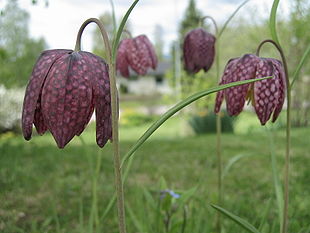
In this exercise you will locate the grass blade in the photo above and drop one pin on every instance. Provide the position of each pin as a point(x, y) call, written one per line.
point(272, 21)
point(265, 215)
point(301, 63)
point(177, 108)
point(230, 18)
point(241, 222)
point(232, 161)
point(134, 219)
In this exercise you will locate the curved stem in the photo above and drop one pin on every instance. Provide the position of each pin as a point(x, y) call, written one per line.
point(213, 22)
point(128, 33)
point(284, 226)
point(104, 34)
point(114, 106)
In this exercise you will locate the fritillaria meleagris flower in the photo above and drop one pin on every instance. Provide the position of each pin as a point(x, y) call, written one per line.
point(137, 53)
point(64, 89)
point(198, 50)
point(267, 96)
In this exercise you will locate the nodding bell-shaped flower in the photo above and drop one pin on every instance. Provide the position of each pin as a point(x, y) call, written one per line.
point(198, 50)
point(137, 53)
point(267, 96)
point(64, 89)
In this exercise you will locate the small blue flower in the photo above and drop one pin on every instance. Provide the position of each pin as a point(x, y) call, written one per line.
point(163, 194)
point(173, 194)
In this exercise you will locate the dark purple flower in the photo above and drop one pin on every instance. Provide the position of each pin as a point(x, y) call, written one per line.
point(198, 50)
point(64, 89)
point(267, 96)
point(137, 53)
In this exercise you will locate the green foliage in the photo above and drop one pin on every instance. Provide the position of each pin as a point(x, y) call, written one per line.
point(206, 123)
point(49, 190)
point(18, 52)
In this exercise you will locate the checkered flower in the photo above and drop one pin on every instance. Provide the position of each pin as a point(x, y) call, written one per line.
point(64, 89)
point(137, 53)
point(267, 96)
point(198, 50)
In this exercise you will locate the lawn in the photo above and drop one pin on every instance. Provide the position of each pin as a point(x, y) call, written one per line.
point(44, 189)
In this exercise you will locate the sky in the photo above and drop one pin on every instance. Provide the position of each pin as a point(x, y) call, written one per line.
point(59, 22)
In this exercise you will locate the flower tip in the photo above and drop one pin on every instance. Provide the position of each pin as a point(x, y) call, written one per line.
point(27, 137)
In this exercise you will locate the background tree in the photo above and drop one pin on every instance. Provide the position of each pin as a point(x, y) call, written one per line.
point(191, 18)
point(300, 39)
point(158, 41)
point(18, 52)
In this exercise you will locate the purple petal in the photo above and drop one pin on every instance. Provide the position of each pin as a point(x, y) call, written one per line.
point(34, 88)
point(150, 50)
point(136, 56)
point(244, 69)
point(67, 97)
point(198, 50)
point(38, 119)
point(220, 95)
point(265, 90)
point(102, 98)
point(121, 60)
point(281, 87)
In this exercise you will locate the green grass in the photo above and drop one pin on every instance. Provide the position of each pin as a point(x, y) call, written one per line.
point(44, 189)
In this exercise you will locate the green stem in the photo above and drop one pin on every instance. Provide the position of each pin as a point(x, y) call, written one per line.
point(219, 169)
point(284, 226)
point(218, 142)
point(114, 106)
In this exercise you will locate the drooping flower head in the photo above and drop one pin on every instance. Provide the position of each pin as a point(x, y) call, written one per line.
point(267, 96)
point(198, 50)
point(137, 53)
point(64, 89)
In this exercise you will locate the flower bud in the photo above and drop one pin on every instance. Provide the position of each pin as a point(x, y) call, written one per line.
point(267, 96)
point(137, 53)
point(198, 50)
point(64, 89)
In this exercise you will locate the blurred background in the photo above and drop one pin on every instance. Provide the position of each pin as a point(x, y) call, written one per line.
point(38, 194)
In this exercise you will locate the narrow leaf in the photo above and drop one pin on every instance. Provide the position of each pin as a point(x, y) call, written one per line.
point(272, 21)
point(241, 222)
point(177, 108)
point(276, 180)
point(230, 18)
point(301, 63)
point(120, 29)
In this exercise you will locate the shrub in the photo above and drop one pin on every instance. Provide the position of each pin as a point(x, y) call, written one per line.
point(11, 101)
point(206, 123)
point(130, 117)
